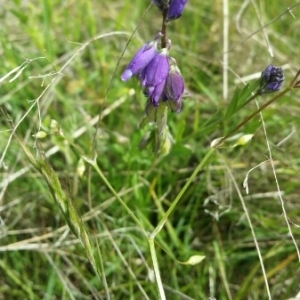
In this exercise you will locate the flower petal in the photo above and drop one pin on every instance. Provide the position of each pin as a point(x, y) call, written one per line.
point(156, 71)
point(140, 60)
point(176, 8)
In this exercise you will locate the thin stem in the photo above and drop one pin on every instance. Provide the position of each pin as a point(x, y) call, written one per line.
point(161, 291)
point(225, 48)
point(279, 194)
point(297, 83)
point(102, 272)
point(164, 27)
point(205, 159)
point(164, 219)
point(253, 115)
point(175, 202)
point(294, 79)
point(94, 164)
point(252, 230)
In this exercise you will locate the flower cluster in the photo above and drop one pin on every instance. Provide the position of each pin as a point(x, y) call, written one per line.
point(158, 74)
point(271, 79)
point(160, 78)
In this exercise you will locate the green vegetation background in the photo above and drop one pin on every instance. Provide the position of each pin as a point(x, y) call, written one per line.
point(40, 257)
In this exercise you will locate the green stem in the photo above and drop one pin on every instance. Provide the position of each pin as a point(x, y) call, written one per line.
point(94, 164)
point(249, 100)
point(253, 115)
point(161, 291)
point(175, 202)
point(292, 84)
point(223, 118)
point(207, 156)
point(102, 272)
point(164, 220)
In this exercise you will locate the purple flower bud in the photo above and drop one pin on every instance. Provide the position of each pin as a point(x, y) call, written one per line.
point(156, 71)
point(176, 8)
point(271, 79)
point(140, 60)
point(174, 87)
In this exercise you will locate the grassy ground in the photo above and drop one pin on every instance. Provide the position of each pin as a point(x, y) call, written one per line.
point(69, 51)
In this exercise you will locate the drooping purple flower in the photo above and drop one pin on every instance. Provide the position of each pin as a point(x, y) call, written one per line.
point(271, 79)
point(153, 77)
point(156, 71)
point(140, 60)
point(174, 87)
point(175, 9)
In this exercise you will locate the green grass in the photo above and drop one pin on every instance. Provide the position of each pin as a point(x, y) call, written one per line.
point(47, 252)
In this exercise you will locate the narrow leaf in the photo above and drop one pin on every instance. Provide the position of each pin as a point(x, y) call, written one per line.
point(233, 103)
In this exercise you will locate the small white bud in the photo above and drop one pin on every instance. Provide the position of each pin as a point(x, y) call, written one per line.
point(40, 135)
point(80, 167)
point(243, 140)
point(216, 142)
point(54, 126)
point(166, 147)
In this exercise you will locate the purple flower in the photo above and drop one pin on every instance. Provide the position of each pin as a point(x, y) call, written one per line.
point(153, 77)
point(140, 60)
point(156, 71)
point(175, 9)
point(174, 87)
point(271, 79)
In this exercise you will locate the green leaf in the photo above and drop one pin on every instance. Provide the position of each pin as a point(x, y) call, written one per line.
point(241, 97)
point(233, 103)
point(247, 90)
